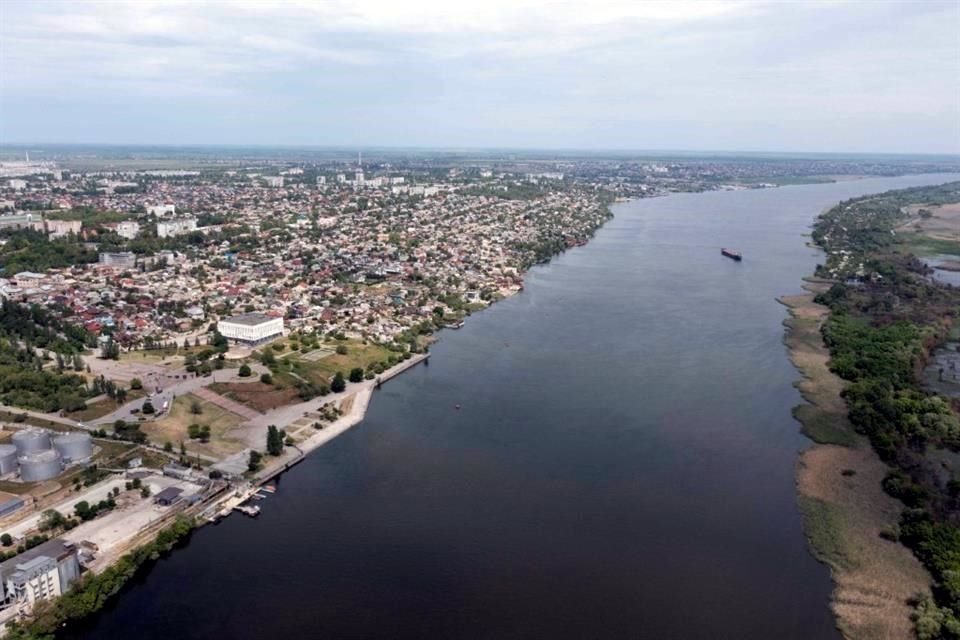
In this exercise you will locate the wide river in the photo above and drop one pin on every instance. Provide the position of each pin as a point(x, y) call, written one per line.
point(622, 464)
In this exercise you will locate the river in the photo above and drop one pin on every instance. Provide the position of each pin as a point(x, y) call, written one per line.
point(621, 465)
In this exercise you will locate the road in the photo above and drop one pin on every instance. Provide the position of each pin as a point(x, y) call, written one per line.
point(92, 495)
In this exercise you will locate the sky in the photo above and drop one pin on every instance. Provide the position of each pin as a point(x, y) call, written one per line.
point(814, 76)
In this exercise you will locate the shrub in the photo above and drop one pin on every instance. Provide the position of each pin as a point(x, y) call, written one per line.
point(244, 371)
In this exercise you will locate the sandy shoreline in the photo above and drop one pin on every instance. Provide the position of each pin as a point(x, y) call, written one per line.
point(840, 495)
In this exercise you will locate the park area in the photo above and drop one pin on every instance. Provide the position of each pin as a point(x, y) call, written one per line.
point(190, 409)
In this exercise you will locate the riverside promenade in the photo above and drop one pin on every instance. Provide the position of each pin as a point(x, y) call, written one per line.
point(362, 393)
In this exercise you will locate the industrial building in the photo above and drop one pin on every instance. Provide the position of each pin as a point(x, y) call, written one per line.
point(46, 571)
point(251, 328)
point(40, 456)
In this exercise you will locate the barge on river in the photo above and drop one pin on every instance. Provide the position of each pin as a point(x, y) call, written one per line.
point(730, 253)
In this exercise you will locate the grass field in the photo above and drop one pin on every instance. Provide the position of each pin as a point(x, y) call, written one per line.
point(923, 245)
point(173, 427)
point(320, 371)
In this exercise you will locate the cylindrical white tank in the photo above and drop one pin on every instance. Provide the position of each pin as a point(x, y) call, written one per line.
point(75, 446)
point(40, 466)
point(8, 459)
point(31, 440)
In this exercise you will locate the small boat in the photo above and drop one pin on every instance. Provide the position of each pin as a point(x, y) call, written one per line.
point(730, 253)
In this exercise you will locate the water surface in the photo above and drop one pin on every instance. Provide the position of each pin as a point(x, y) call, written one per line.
point(622, 465)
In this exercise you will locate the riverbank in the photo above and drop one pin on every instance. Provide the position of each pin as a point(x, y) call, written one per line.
point(844, 507)
point(358, 401)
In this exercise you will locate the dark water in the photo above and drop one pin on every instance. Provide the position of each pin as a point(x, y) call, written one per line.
point(622, 466)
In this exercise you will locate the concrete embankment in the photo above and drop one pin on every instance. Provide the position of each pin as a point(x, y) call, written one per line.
point(355, 415)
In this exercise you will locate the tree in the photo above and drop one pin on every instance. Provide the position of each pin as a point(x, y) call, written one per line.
point(266, 378)
point(274, 441)
point(6, 540)
point(195, 408)
point(136, 384)
point(342, 349)
point(356, 374)
point(254, 463)
point(148, 408)
point(168, 446)
point(51, 519)
point(84, 511)
point(338, 384)
point(244, 371)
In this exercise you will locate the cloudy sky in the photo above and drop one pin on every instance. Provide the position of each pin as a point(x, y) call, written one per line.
point(863, 76)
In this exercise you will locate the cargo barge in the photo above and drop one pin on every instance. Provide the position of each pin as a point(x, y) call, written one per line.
point(730, 253)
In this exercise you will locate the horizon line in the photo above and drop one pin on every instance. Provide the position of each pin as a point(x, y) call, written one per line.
point(467, 148)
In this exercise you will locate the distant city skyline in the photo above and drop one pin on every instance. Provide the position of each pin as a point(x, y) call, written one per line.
point(735, 76)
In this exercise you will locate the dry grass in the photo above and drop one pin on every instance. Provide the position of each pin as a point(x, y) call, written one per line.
point(173, 427)
point(824, 419)
point(873, 577)
point(943, 225)
point(256, 395)
point(844, 514)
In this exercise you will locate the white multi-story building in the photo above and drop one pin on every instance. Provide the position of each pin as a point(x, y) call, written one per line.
point(251, 328)
point(44, 572)
point(128, 229)
point(121, 259)
point(162, 210)
point(273, 181)
point(60, 228)
point(168, 228)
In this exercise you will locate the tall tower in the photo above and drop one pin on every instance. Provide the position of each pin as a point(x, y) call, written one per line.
point(358, 177)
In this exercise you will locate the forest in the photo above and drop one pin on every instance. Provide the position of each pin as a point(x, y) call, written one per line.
point(887, 315)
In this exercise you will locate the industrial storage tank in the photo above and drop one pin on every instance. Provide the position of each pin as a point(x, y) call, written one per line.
point(8, 459)
point(37, 467)
point(31, 440)
point(75, 446)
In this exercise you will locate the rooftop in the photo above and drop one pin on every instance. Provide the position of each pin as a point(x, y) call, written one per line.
point(54, 549)
point(250, 319)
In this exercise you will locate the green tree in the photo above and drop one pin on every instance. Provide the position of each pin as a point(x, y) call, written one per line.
point(356, 374)
point(266, 378)
point(136, 384)
point(244, 371)
point(338, 384)
point(254, 462)
point(274, 441)
point(51, 519)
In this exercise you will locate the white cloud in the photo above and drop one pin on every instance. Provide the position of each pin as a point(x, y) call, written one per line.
point(581, 63)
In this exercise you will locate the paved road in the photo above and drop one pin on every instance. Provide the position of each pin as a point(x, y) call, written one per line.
point(174, 388)
point(38, 414)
